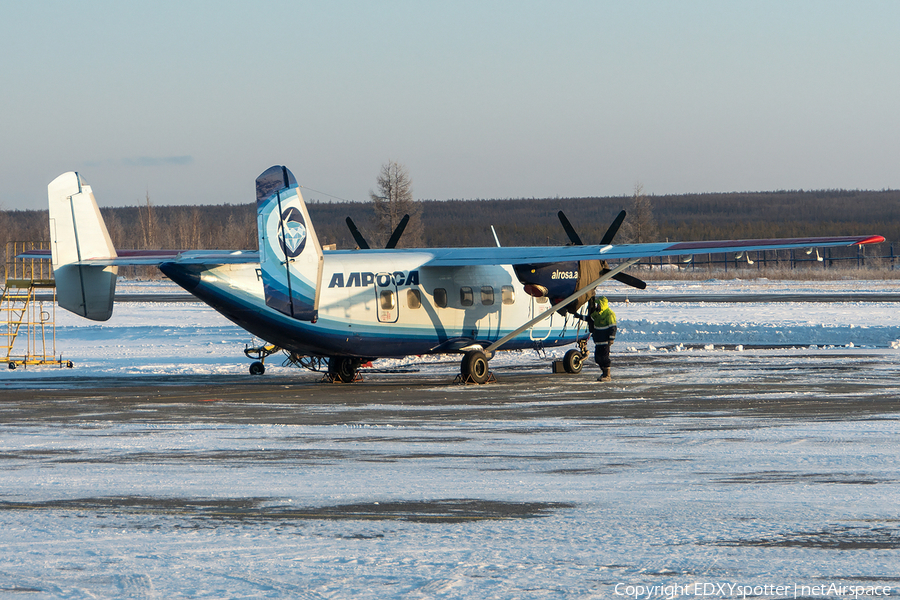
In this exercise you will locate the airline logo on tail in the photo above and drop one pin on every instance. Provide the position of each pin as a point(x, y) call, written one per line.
point(293, 240)
point(291, 259)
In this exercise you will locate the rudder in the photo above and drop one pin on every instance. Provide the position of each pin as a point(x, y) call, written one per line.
point(290, 256)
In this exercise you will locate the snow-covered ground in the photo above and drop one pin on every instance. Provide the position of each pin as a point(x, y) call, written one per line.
point(705, 470)
point(186, 338)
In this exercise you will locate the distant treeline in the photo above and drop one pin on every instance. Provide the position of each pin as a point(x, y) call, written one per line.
point(517, 222)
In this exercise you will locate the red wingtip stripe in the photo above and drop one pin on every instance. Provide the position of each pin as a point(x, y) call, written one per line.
point(875, 239)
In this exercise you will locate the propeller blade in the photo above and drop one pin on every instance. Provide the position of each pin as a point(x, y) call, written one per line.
point(395, 237)
point(630, 280)
point(613, 229)
point(360, 240)
point(607, 239)
point(626, 279)
point(570, 231)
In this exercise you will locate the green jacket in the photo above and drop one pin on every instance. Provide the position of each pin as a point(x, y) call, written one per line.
point(603, 323)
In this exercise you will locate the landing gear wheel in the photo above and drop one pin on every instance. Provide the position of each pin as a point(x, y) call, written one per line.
point(573, 361)
point(343, 369)
point(257, 368)
point(475, 366)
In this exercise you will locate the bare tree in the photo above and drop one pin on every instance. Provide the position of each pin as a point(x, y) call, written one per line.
point(114, 227)
point(640, 226)
point(4, 228)
point(392, 200)
point(146, 218)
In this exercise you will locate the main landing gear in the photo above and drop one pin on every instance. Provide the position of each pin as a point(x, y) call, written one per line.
point(338, 369)
point(343, 369)
point(474, 368)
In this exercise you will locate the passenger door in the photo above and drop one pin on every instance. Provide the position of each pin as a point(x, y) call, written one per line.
point(387, 303)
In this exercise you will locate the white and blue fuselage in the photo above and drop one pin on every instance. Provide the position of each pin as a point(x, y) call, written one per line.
point(384, 304)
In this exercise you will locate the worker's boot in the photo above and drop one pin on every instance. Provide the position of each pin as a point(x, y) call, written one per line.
point(606, 376)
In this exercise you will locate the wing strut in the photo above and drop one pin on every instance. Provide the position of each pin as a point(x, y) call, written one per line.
point(589, 287)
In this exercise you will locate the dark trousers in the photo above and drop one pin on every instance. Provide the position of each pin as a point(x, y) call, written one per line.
point(601, 355)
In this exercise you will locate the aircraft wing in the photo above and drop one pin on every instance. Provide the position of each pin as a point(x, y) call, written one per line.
point(507, 255)
point(512, 255)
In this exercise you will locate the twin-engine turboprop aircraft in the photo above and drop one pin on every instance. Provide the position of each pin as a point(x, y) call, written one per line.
point(351, 306)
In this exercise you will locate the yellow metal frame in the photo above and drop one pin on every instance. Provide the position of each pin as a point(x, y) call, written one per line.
point(28, 320)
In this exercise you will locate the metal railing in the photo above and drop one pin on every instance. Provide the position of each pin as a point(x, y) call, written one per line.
point(826, 258)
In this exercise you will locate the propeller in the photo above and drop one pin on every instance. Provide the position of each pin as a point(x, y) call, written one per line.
point(395, 237)
point(360, 240)
point(605, 241)
point(613, 229)
point(392, 242)
point(570, 231)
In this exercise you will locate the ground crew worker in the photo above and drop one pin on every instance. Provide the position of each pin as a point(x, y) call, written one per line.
point(602, 324)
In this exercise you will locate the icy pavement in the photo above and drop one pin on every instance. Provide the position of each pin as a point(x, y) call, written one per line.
point(699, 472)
point(774, 469)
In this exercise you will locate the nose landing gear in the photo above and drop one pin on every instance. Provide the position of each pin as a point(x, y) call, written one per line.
point(573, 361)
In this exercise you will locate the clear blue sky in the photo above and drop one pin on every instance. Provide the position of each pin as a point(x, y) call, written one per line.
point(191, 100)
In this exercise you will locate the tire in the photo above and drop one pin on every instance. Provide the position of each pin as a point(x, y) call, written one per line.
point(475, 366)
point(573, 361)
point(343, 368)
point(257, 368)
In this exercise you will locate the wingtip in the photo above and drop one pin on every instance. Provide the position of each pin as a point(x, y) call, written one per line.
point(873, 239)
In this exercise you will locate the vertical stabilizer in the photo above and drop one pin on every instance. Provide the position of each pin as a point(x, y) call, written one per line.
point(78, 233)
point(290, 256)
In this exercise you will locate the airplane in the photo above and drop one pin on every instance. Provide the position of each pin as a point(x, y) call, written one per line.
point(345, 308)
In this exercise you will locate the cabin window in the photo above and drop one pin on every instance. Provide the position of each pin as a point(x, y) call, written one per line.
point(466, 297)
point(413, 299)
point(508, 294)
point(487, 295)
point(440, 297)
point(388, 300)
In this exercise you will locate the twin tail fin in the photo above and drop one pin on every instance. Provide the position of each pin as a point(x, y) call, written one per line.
point(78, 233)
point(290, 256)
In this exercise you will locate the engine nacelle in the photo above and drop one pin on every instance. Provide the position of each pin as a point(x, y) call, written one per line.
point(549, 280)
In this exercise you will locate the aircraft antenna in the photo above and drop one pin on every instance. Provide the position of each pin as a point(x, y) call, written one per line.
point(326, 194)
